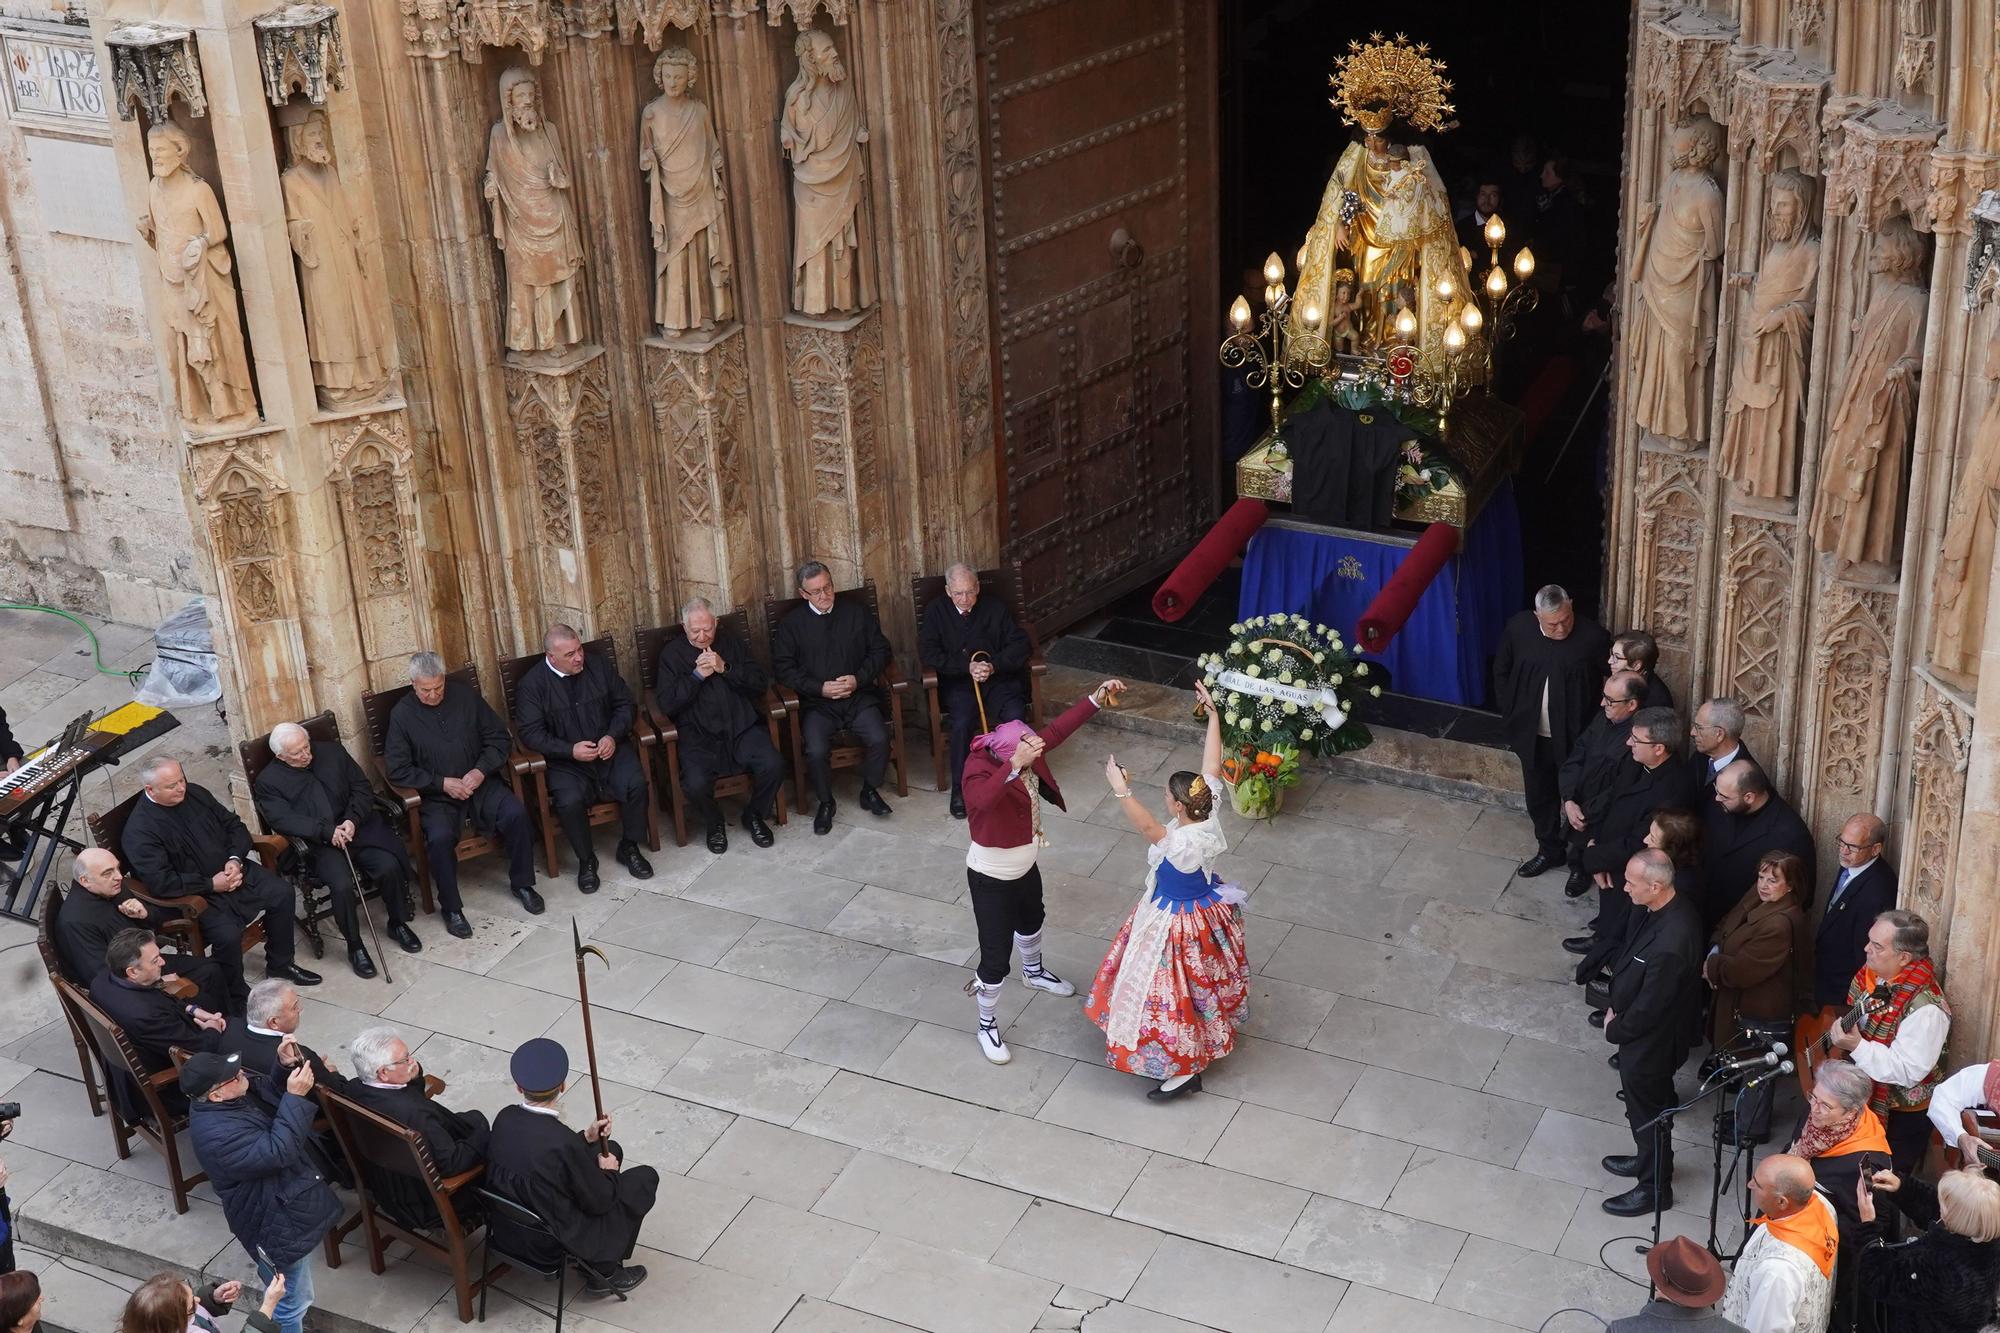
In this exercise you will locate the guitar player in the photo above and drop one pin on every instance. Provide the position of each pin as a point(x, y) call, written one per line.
point(1863, 890)
point(1965, 1111)
point(1901, 1044)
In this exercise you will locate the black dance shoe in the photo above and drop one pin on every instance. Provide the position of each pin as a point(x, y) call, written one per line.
point(1165, 1094)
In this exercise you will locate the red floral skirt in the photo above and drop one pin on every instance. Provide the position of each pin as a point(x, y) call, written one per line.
point(1173, 990)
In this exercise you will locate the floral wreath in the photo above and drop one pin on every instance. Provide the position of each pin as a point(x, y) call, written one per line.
point(1284, 683)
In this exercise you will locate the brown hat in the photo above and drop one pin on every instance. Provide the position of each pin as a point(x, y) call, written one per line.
point(1685, 1273)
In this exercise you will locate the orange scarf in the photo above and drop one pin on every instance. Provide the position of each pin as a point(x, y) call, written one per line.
point(1866, 1136)
point(1811, 1231)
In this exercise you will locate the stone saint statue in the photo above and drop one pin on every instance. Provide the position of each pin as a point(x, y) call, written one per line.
point(1868, 438)
point(183, 223)
point(1767, 392)
point(1673, 322)
point(534, 220)
point(1965, 571)
point(682, 160)
point(833, 262)
point(343, 336)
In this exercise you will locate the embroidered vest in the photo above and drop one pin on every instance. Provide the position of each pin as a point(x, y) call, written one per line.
point(1914, 988)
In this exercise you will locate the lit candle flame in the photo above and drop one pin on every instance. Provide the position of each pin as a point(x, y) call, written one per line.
point(1496, 232)
point(1471, 318)
point(1274, 268)
point(1406, 323)
point(1239, 313)
point(1524, 264)
point(1454, 338)
point(1496, 282)
point(1446, 288)
point(1312, 316)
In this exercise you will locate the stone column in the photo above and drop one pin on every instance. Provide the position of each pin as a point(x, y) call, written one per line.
point(562, 423)
point(700, 391)
point(834, 368)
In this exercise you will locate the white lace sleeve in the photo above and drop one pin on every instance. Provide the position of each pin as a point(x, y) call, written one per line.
point(1194, 847)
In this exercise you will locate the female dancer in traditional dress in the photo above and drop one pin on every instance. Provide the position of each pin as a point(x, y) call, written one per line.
point(1175, 986)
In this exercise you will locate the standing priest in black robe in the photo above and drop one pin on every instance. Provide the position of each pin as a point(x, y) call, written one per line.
point(713, 689)
point(955, 626)
point(575, 711)
point(1546, 683)
point(830, 652)
point(180, 842)
point(447, 745)
point(315, 792)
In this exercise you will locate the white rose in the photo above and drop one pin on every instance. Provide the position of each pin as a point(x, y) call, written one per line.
point(1360, 668)
point(1237, 628)
point(1236, 650)
point(1335, 678)
point(1253, 670)
point(1230, 719)
point(1235, 699)
point(1290, 708)
point(1319, 629)
point(1267, 724)
point(1284, 677)
point(1375, 690)
point(1306, 735)
point(1319, 659)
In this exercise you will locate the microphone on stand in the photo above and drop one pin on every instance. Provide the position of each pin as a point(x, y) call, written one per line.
point(1767, 1060)
point(1782, 1068)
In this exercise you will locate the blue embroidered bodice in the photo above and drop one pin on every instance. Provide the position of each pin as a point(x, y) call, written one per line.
point(1180, 890)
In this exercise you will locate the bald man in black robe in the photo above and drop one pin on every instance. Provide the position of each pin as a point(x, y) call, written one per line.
point(713, 688)
point(1548, 678)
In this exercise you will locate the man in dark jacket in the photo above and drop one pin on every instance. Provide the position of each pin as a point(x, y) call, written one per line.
point(98, 906)
point(1649, 780)
point(181, 842)
point(315, 792)
point(574, 1180)
point(1750, 819)
point(127, 989)
point(277, 1204)
point(1585, 779)
point(955, 626)
point(1687, 1283)
point(830, 652)
point(1717, 738)
point(266, 1037)
point(1863, 890)
point(575, 711)
point(390, 1083)
point(447, 745)
point(708, 682)
point(1655, 993)
point(1546, 683)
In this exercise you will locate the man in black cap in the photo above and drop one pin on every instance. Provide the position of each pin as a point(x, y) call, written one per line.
point(572, 1179)
point(1687, 1282)
point(98, 906)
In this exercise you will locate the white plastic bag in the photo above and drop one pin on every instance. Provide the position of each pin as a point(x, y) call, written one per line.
point(184, 670)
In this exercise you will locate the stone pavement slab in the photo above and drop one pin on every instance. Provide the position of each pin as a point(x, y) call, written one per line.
point(1330, 902)
point(747, 1080)
point(1235, 1292)
point(1367, 1245)
point(727, 1005)
point(851, 1037)
point(689, 1214)
point(1438, 1115)
point(1399, 810)
point(1365, 969)
point(1522, 1287)
point(805, 960)
point(1326, 1159)
point(812, 1315)
point(1283, 1077)
point(908, 924)
point(1410, 1043)
point(545, 960)
point(1366, 1310)
point(1054, 1163)
point(673, 928)
point(882, 1117)
point(788, 1248)
point(683, 1297)
point(941, 1291)
point(773, 1163)
point(1105, 1101)
point(1485, 1200)
point(123, 1224)
point(1080, 1248)
point(949, 1063)
point(1211, 1204)
point(920, 1203)
point(631, 1050)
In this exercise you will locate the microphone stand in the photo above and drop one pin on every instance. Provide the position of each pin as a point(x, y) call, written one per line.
point(1662, 1123)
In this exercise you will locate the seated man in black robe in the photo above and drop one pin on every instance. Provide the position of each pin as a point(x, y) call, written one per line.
point(98, 906)
point(575, 711)
point(713, 689)
point(574, 1180)
point(181, 841)
point(266, 1037)
point(127, 989)
point(956, 626)
point(390, 1083)
point(448, 745)
point(829, 652)
point(317, 793)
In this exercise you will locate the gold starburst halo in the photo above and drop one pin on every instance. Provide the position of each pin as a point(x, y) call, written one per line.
point(1391, 79)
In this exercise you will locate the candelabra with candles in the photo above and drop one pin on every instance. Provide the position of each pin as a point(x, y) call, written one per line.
point(1279, 356)
point(1504, 306)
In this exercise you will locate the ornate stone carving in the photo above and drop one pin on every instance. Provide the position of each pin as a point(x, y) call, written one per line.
point(965, 227)
point(687, 205)
point(430, 29)
point(1879, 164)
point(836, 378)
point(588, 18)
point(1851, 666)
point(1668, 551)
point(701, 406)
point(183, 224)
point(822, 134)
point(802, 12)
point(240, 492)
point(1686, 65)
point(1678, 258)
point(1982, 259)
point(1955, 181)
point(1965, 565)
point(151, 65)
point(1767, 392)
point(344, 334)
point(1807, 17)
point(1756, 613)
point(298, 49)
point(562, 423)
point(1916, 46)
point(651, 19)
point(527, 185)
point(1775, 106)
point(523, 23)
point(371, 470)
point(1941, 745)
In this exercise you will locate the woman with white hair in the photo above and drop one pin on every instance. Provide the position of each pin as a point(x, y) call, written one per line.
point(1946, 1280)
point(1844, 1140)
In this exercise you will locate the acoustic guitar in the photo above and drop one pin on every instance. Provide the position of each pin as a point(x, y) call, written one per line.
point(1874, 1002)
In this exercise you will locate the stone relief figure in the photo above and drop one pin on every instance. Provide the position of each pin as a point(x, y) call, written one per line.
point(1767, 392)
point(1868, 438)
point(183, 223)
point(833, 262)
point(1965, 571)
point(343, 336)
point(1678, 259)
point(682, 160)
point(534, 220)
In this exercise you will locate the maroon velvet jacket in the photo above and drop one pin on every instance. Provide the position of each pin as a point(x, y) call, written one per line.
point(997, 810)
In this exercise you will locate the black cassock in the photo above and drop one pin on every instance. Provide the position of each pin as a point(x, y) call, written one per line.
point(85, 924)
point(456, 1140)
point(946, 642)
point(309, 803)
point(177, 850)
point(1573, 670)
point(1619, 834)
point(810, 649)
point(1733, 844)
point(554, 713)
point(1655, 999)
point(9, 747)
point(536, 1160)
point(721, 722)
point(156, 1023)
point(427, 744)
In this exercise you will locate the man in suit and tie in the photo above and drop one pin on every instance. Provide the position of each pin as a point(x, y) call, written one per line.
point(956, 626)
point(1584, 781)
point(1863, 890)
point(1717, 733)
point(1748, 819)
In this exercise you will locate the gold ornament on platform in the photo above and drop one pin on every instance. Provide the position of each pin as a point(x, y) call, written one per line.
point(1390, 80)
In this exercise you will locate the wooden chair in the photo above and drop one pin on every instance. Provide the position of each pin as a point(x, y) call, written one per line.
point(116, 1056)
point(376, 708)
point(1005, 584)
point(373, 1141)
point(847, 751)
point(45, 941)
point(107, 831)
point(648, 642)
point(601, 812)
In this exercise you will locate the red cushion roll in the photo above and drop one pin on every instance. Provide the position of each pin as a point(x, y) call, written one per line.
point(1211, 555)
point(1393, 605)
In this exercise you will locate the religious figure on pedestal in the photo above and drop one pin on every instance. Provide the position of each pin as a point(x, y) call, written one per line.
point(343, 337)
point(1385, 208)
point(1965, 571)
point(833, 261)
point(1868, 435)
point(534, 220)
point(682, 160)
point(1767, 392)
point(1678, 258)
point(183, 223)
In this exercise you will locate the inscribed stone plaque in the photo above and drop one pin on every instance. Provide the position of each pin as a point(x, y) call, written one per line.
point(53, 78)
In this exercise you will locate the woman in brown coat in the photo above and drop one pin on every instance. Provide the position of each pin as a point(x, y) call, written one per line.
point(1759, 965)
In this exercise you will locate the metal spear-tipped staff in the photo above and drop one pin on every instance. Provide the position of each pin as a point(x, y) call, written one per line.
point(583, 998)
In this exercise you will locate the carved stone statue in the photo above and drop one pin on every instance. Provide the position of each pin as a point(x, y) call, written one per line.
point(682, 160)
point(1673, 323)
point(534, 220)
point(183, 223)
point(833, 261)
point(343, 335)
point(1868, 435)
point(1767, 392)
point(1965, 572)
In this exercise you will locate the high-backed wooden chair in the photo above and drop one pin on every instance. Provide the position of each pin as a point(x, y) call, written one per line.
point(373, 1142)
point(601, 812)
point(119, 1059)
point(376, 708)
point(1003, 583)
point(108, 830)
point(648, 643)
point(52, 963)
point(847, 751)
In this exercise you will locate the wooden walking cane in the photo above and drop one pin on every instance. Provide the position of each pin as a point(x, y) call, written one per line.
point(977, 697)
point(583, 998)
point(361, 901)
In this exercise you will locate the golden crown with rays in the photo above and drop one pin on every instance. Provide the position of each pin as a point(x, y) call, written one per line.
point(1391, 79)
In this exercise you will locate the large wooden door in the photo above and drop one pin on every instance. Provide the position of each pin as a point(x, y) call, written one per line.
point(1100, 133)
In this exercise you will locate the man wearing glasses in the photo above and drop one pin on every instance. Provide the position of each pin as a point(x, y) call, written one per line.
point(389, 1081)
point(1584, 780)
point(1863, 890)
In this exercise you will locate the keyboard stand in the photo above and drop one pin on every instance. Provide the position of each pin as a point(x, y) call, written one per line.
point(45, 836)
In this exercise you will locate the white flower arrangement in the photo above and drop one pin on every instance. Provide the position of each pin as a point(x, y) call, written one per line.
point(1305, 685)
